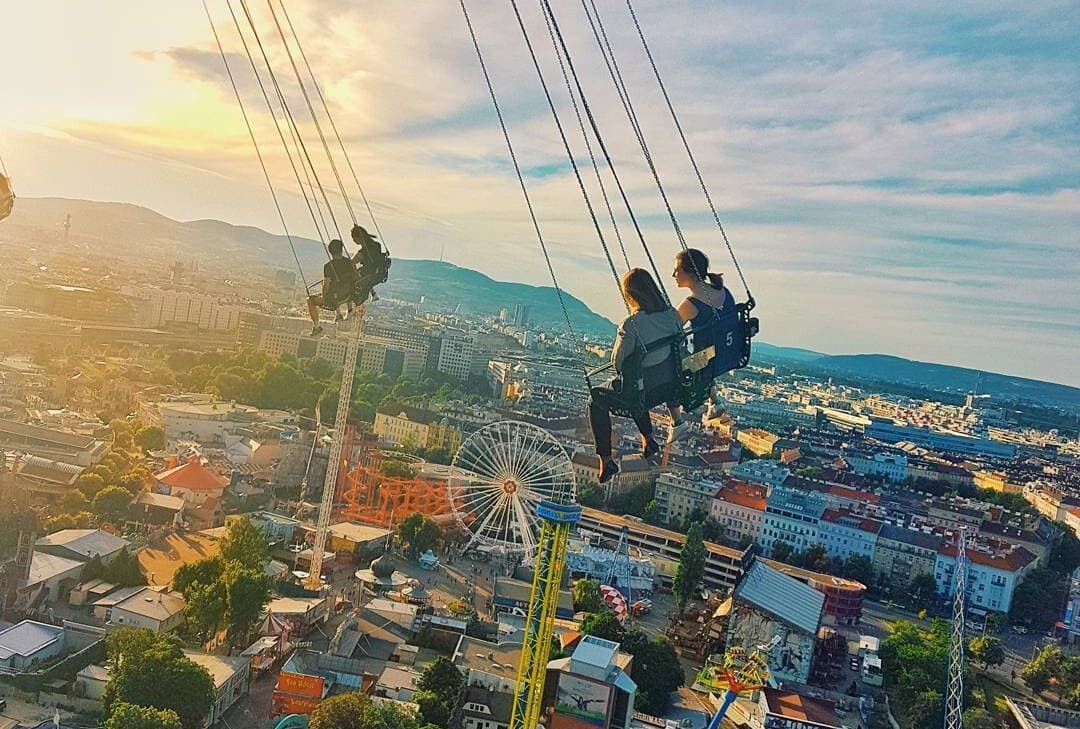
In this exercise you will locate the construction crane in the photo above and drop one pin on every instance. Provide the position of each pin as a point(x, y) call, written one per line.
point(954, 697)
point(314, 580)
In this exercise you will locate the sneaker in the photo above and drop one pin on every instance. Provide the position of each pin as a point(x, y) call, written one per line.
point(608, 469)
point(677, 431)
point(316, 331)
point(374, 296)
point(650, 450)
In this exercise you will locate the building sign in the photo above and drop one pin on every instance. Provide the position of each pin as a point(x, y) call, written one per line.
point(584, 700)
point(300, 685)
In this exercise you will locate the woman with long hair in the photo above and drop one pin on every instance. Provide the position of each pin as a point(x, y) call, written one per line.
point(651, 319)
point(708, 300)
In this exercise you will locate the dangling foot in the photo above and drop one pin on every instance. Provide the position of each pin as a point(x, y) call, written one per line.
point(316, 331)
point(374, 296)
point(650, 450)
point(677, 431)
point(608, 469)
point(339, 316)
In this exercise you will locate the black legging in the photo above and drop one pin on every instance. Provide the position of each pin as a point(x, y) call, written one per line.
point(603, 397)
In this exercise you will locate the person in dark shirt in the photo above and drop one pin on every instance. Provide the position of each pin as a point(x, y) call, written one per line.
point(709, 300)
point(374, 264)
point(340, 279)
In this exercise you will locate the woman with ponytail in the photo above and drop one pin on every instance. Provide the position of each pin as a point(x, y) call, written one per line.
point(708, 300)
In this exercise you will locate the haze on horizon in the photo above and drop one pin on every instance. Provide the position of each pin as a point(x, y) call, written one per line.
point(904, 181)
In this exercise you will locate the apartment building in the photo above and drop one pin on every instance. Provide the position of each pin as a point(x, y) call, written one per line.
point(739, 508)
point(677, 496)
point(791, 517)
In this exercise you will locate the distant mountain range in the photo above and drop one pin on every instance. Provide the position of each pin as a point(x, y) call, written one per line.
point(945, 378)
point(129, 231)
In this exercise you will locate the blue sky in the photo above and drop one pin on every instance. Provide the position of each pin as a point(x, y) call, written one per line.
point(902, 180)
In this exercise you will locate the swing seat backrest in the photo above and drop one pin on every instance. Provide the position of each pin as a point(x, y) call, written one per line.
point(638, 382)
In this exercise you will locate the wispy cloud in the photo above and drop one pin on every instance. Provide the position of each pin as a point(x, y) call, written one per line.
point(901, 180)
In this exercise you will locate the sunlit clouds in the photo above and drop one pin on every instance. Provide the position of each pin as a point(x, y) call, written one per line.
point(900, 181)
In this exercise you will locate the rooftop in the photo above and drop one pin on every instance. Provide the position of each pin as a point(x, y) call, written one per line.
point(87, 542)
point(221, 668)
point(149, 498)
point(12, 429)
point(358, 533)
point(192, 476)
point(46, 566)
point(790, 705)
point(152, 604)
point(820, 577)
point(27, 638)
point(783, 596)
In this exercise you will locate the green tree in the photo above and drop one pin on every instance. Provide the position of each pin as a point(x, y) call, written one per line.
point(782, 551)
point(859, 568)
point(247, 591)
point(90, 483)
point(130, 716)
point(925, 710)
point(923, 590)
point(815, 559)
point(357, 711)
point(419, 533)
point(1038, 672)
point(111, 504)
point(979, 718)
point(151, 439)
point(124, 570)
point(245, 544)
point(440, 693)
point(205, 608)
point(205, 571)
point(586, 594)
point(604, 625)
point(657, 673)
point(151, 670)
point(1037, 598)
point(73, 502)
point(691, 566)
point(987, 649)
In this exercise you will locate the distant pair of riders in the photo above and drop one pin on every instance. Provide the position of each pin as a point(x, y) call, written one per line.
point(346, 284)
point(651, 320)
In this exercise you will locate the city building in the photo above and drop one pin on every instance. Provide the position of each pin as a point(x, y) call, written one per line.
point(903, 553)
point(79, 450)
point(994, 570)
point(792, 517)
point(453, 352)
point(888, 431)
point(678, 496)
point(82, 544)
point(724, 566)
point(192, 481)
point(231, 675)
point(29, 643)
point(586, 560)
point(769, 473)
point(207, 421)
point(997, 481)
point(416, 427)
point(770, 605)
point(592, 687)
point(844, 534)
point(51, 578)
point(45, 477)
point(739, 508)
point(843, 598)
point(891, 466)
point(156, 307)
point(159, 611)
point(791, 710)
point(757, 441)
point(277, 529)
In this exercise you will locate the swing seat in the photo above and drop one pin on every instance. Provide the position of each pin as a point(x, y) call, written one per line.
point(695, 372)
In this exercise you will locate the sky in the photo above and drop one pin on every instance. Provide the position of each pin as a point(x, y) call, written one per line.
point(898, 178)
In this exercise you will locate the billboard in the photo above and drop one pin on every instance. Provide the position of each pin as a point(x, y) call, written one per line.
point(582, 699)
point(299, 684)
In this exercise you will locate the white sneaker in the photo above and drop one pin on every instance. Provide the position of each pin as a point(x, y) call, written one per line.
point(677, 431)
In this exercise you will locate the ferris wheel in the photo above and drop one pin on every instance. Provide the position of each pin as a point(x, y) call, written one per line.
point(499, 475)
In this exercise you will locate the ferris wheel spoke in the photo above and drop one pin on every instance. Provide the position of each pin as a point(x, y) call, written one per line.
point(526, 527)
point(524, 447)
point(501, 450)
point(486, 466)
point(483, 528)
point(496, 452)
point(479, 500)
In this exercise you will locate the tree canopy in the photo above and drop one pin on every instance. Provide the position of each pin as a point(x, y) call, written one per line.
point(151, 670)
point(440, 694)
point(419, 533)
point(244, 544)
point(691, 566)
point(586, 594)
point(131, 716)
point(915, 664)
point(358, 711)
point(656, 669)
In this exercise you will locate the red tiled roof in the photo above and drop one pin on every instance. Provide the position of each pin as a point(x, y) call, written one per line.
point(854, 494)
point(192, 476)
point(791, 705)
point(1010, 561)
point(745, 498)
point(718, 456)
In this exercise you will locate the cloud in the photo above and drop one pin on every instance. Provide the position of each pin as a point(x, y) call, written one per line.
point(900, 180)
